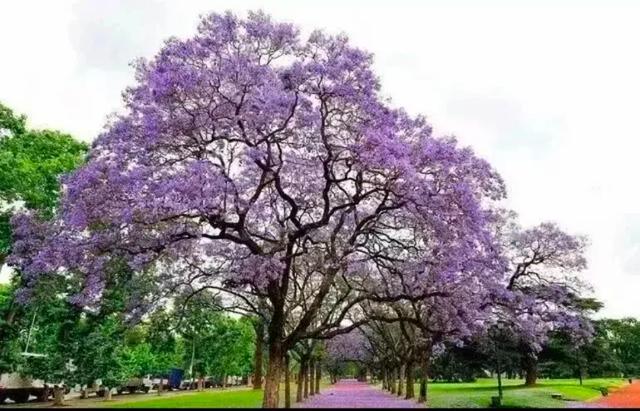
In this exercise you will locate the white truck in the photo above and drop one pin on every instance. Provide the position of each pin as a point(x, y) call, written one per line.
point(132, 385)
point(19, 388)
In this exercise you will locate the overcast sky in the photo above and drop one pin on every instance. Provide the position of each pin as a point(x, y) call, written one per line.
point(547, 91)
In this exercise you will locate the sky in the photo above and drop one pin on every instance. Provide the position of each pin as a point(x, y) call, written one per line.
point(547, 91)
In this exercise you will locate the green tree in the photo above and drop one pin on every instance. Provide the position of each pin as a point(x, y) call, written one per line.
point(31, 163)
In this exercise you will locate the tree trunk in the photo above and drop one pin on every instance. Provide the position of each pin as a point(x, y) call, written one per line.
point(84, 393)
point(274, 373)
point(305, 380)
point(318, 377)
point(393, 381)
point(107, 394)
point(300, 381)
point(424, 381)
point(385, 379)
point(530, 363)
point(287, 382)
point(160, 386)
point(499, 372)
point(200, 383)
point(312, 377)
point(58, 396)
point(257, 376)
point(410, 381)
point(401, 380)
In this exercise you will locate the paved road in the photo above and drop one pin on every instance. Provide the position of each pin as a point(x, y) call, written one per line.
point(354, 394)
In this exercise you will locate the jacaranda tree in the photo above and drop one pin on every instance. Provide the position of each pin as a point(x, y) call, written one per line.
point(248, 159)
point(545, 293)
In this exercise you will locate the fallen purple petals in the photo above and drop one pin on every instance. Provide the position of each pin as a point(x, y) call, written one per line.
point(355, 394)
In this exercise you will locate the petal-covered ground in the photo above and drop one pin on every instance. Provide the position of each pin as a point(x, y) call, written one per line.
point(354, 394)
point(627, 397)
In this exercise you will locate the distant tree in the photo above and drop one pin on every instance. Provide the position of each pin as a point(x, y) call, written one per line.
point(544, 293)
point(31, 164)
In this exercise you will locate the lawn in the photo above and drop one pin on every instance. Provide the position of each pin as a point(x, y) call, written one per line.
point(242, 398)
point(440, 395)
point(515, 394)
point(230, 398)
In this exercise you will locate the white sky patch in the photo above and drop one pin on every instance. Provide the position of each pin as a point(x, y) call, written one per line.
point(547, 91)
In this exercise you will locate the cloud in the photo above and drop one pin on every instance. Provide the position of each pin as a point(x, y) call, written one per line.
point(110, 34)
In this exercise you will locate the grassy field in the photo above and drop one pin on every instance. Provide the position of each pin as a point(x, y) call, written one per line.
point(443, 395)
point(244, 398)
point(232, 398)
point(515, 394)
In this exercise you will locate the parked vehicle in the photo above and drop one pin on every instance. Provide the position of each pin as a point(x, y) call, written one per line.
point(19, 388)
point(175, 378)
point(143, 384)
point(189, 384)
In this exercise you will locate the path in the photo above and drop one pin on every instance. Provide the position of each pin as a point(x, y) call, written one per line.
point(626, 397)
point(354, 394)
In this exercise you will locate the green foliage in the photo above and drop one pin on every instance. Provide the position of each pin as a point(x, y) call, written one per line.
point(622, 339)
point(228, 347)
point(11, 124)
point(10, 347)
point(196, 330)
point(613, 352)
point(31, 161)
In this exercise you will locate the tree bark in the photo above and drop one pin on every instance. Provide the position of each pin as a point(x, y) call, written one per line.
point(424, 381)
point(300, 381)
point(530, 363)
point(385, 379)
point(107, 394)
point(160, 386)
point(257, 376)
point(318, 377)
point(312, 377)
point(410, 381)
point(200, 383)
point(274, 373)
point(305, 381)
point(392, 374)
point(401, 380)
point(58, 396)
point(287, 382)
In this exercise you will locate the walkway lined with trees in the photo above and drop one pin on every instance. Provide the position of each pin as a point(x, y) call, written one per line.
point(356, 394)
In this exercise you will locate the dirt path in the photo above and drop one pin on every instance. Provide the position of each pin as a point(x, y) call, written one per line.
point(626, 397)
point(354, 394)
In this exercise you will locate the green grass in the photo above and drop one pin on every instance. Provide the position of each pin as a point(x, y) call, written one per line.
point(515, 394)
point(217, 398)
point(440, 395)
point(243, 398)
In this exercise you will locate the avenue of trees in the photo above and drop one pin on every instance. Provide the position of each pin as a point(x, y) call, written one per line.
point(260, 207)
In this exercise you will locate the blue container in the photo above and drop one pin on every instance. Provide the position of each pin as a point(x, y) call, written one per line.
point(175, 378)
